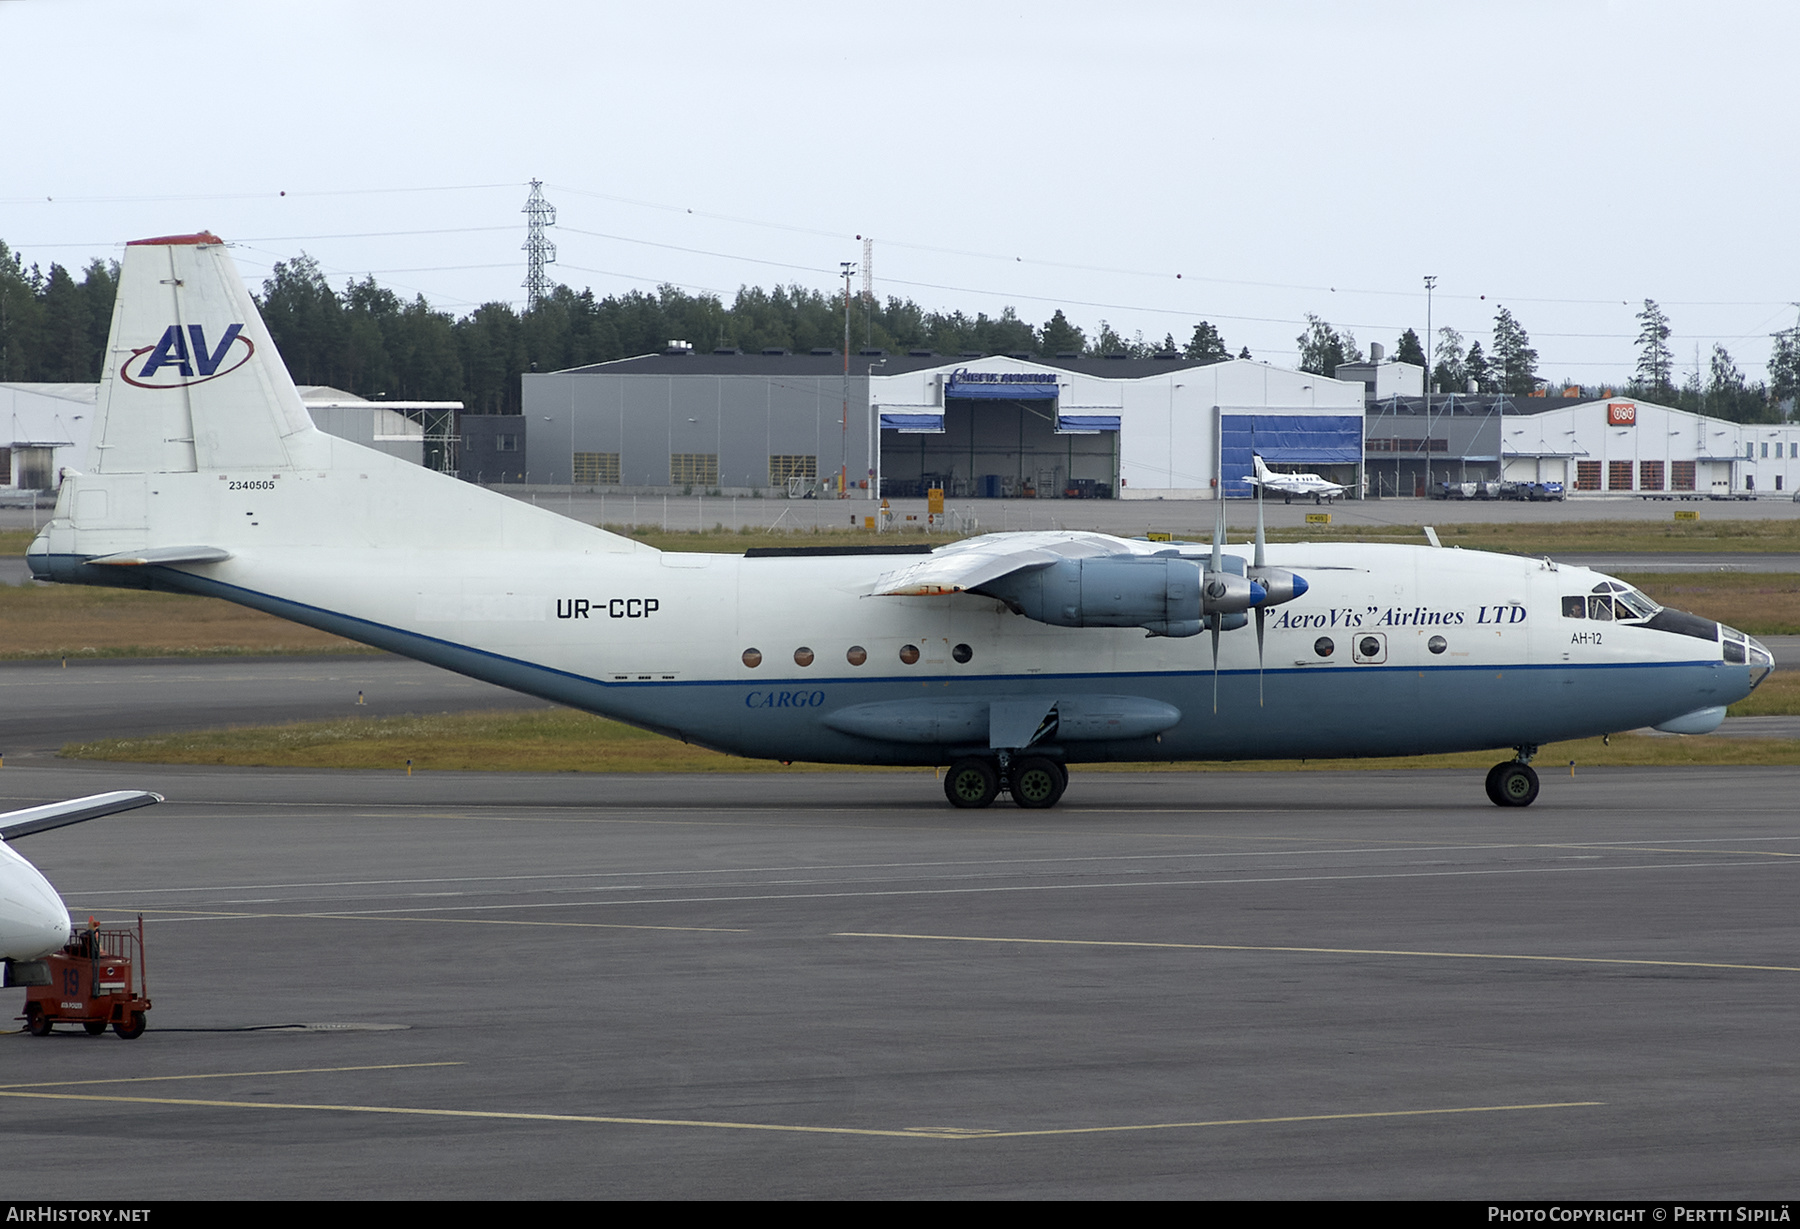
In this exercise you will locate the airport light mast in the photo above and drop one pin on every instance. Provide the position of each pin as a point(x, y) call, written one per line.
point(849, 267)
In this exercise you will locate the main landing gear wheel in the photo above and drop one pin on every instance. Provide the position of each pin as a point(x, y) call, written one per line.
point(971, 783)
point(1512, 784)
point(1038, 783)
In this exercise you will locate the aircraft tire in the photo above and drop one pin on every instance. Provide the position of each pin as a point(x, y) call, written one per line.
point(1493, 789)
point(971, 783)
point(36, 1022)
point(132, 1029)
point(1038, 783)
point(1515, 785)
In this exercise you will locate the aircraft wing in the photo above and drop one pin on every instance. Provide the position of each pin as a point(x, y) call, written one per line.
point(966, 565)
point(15, 824)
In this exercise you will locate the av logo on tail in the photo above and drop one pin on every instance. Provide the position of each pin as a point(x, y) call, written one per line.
point(178, 361)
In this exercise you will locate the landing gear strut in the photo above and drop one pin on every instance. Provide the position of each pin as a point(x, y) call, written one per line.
point(1514, 783)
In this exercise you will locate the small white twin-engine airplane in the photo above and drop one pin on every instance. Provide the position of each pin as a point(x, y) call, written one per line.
point(33, 919)
point(1290, 485)
point(1007, 657)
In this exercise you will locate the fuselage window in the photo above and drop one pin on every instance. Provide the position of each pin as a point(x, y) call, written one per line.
point(857, 655)
point(909, 653)
point(753, 658)
point(1575, 607)
point(962, 653)
point(1323, 646)
point(1437, 644)
point(803, 656)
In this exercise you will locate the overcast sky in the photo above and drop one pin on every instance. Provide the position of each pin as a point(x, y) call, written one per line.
point(1150, 164)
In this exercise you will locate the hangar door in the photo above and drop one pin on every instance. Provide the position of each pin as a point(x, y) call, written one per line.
point(1330, 445)
point(1001, 435)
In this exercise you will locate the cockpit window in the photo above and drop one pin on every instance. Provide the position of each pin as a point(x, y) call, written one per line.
point(1610, 600)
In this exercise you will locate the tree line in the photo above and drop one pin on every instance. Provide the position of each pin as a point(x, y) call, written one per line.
point(369, 341)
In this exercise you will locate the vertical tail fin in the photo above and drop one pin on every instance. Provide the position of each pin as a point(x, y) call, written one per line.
point(203, 454)
point(192, 380)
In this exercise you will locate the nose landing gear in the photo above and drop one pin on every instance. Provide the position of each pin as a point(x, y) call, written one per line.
point(1514, 783)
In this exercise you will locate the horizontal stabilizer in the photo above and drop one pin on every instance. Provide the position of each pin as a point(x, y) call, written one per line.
point(161, 555)
point(15, 824)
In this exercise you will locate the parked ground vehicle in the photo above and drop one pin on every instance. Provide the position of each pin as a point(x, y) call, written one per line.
point(96, 980)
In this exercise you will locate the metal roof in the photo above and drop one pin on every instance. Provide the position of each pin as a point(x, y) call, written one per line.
point(697, 363)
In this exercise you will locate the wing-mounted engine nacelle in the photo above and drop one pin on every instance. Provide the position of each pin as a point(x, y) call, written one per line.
point(1164, 595)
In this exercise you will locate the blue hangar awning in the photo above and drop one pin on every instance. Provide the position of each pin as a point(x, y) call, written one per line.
point(913, 424)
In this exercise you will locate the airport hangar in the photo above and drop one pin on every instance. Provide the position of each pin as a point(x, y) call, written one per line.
point(997, 425)
point(1616, 445)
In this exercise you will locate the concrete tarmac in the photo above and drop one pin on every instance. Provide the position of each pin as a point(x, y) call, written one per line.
point(1279, 985)
point(44, 704)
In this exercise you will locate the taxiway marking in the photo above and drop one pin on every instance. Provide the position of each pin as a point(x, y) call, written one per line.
point(228, 1075)
point(938, 1133)
point(1330, 951)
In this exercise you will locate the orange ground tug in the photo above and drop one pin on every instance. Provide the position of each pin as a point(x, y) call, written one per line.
point(97, 979)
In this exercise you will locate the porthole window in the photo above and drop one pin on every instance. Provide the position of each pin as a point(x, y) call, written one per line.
point(803, 656)
point(1437, 644)
point(909, 653)
point(1323, 646)
point(857, 655)
point(753, 658)
point(1371, 647)
point(962, 653)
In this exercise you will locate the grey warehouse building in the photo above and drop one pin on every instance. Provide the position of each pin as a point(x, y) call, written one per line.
point(995, 425)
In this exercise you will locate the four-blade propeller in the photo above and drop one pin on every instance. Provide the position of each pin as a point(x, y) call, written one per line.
point(1269, 586)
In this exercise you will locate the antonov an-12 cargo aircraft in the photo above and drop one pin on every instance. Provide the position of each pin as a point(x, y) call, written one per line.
point(1006, 657)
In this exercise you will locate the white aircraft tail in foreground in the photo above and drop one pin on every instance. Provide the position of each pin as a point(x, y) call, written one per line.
point(1290, 485)
point(33, 919)
point(1007, 657)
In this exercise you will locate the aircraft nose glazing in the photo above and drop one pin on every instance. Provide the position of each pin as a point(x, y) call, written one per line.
point(1762, 661)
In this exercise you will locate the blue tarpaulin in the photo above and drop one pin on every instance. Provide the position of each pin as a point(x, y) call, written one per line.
point(1284, 439)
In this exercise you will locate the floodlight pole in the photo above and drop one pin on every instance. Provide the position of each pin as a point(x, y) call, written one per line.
point(849, 267)
point(874, 427)
point(1430, 284)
